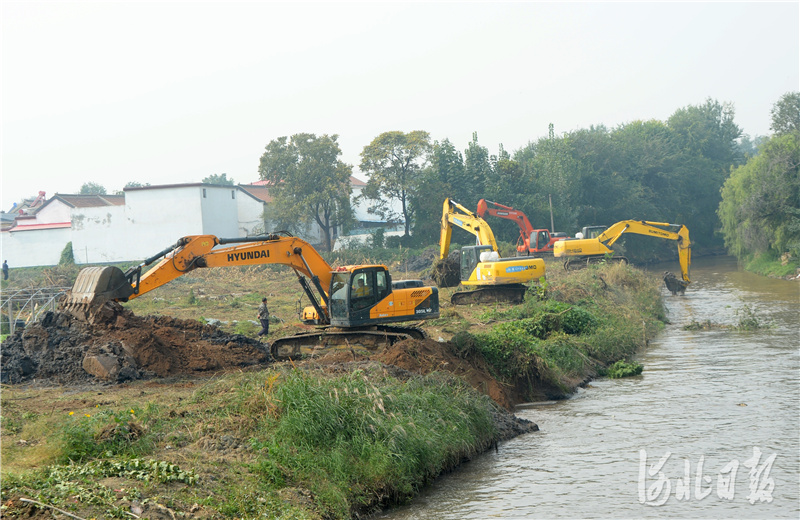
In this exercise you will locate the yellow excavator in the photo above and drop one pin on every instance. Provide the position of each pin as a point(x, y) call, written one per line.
point(578, 253)
point(490, 277)
point(353, 304)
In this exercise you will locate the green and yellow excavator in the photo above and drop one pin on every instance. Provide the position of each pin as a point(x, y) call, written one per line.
point(578, 253)
point(353, 305)
point(490, 278)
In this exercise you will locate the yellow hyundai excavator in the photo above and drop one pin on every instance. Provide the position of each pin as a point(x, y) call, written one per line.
point(353, 303)
point(492, 278)
point(582, 252)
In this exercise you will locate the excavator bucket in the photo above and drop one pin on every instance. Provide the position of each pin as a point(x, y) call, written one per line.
point(97, 285)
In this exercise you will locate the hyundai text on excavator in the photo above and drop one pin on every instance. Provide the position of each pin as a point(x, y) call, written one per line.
point(492, 278)
point(353, 303)
point(531, 242)
point(582, 252)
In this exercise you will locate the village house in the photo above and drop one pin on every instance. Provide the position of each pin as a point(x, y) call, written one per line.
point(144, 220)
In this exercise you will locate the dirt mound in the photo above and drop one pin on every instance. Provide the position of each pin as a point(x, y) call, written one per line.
point(426, 356)
point(121, 346)
point(447, 272)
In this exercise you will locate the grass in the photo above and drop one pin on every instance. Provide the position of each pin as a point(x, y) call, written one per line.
point(283, 443)
point(768, 264)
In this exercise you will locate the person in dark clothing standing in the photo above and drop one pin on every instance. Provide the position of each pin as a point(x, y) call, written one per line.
point(263, 317)
point(5, 269)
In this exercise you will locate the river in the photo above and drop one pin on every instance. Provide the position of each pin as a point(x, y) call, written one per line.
point(710, 429)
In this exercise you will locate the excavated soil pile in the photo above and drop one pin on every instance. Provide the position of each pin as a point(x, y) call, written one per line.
point(447, 272)
point(426, 356)
point(119, 346)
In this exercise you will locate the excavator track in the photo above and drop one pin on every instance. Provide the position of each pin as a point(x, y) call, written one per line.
point(313, 344)
point(513, 293)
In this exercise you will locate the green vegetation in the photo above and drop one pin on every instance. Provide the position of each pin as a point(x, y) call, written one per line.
point(258, 444)
point(623, 369)
point(760, 207)
point(308, 183)
point(67, 256)
point(591, 318)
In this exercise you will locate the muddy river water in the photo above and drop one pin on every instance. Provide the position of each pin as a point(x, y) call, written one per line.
point(710, 429)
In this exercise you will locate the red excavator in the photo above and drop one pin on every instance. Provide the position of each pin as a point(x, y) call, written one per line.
point(531, 242)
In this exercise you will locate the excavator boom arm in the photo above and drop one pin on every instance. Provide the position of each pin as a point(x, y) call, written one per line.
point(198, 251)
point(508, 213)
point(654, 229)
point(454, 214)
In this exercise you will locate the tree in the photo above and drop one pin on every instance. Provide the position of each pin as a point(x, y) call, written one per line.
point(760, 206)
point(707, 139)
point(92, 188)
point(219, 178)
point(394, 163)
point(440, 179)
point(477, 171)
point(308, 183)
point(786, 114)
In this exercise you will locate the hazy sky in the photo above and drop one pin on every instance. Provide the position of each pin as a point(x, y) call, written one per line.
point(171, 92)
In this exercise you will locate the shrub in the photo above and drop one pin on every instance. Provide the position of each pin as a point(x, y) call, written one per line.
point(67, 256)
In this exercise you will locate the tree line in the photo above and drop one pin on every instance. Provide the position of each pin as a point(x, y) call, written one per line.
point(696, 168)
point(669, 171)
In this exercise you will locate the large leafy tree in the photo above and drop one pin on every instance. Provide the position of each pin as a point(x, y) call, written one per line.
point(219, 178)
point(394, 162)
point(786, 114)
point(706, 136)
point(308, 182)
point(92, 188)
point(439, 180)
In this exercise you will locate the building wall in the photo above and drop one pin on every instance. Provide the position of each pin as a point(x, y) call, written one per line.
point(34, 247)
point(219, 212)
point(250, 212)
point(100, 235)
point(157, 218)
point(53, 213)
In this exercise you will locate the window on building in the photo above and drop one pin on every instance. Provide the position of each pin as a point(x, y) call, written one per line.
point(204, 193)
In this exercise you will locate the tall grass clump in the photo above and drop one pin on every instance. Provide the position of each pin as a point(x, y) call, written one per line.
point(344, 438)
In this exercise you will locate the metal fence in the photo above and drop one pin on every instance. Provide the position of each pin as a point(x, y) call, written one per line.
point(23, 306)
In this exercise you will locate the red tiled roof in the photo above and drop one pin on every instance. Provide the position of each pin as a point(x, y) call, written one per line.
point(258, 191)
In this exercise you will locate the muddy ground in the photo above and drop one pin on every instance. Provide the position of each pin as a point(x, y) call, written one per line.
point(120, 347)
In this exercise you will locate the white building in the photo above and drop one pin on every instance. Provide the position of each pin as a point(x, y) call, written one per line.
point(146, 220)
point(39, 237)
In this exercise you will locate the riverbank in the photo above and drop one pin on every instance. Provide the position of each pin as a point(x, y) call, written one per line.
point(332, 438)
point(786, 266)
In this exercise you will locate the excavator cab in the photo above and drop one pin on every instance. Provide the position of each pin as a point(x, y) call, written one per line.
point(364, 295)
point(470, 257)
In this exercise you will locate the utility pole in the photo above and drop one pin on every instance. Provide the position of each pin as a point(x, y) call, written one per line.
point(552, 227)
